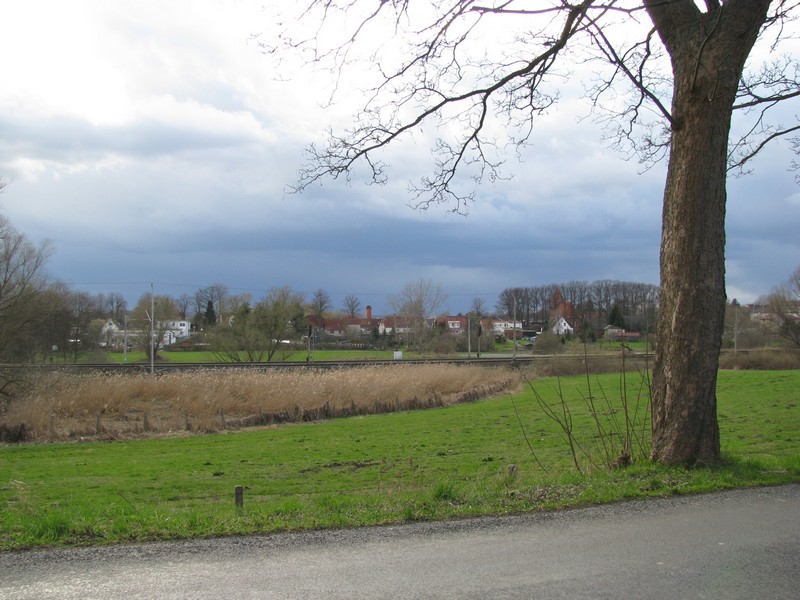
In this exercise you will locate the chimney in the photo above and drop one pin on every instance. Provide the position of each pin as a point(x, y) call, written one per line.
point(369, 312)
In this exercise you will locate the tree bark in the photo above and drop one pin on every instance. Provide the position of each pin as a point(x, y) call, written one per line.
point(708, 52)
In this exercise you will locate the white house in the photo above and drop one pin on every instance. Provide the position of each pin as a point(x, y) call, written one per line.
point(501, 327)
point(116, 337)
point(174, 330)
point(454, 325)
point(562, 327)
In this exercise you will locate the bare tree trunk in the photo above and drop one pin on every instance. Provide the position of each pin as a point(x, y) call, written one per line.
point(708, 53)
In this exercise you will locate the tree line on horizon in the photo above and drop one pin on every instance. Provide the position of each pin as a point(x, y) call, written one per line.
point(590, 306)
point(43, 319)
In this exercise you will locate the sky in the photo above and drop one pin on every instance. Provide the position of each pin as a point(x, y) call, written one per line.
point(153, 142)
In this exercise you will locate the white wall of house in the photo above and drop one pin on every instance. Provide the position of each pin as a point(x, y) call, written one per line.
point(174, 331)
point(503, 326)
point(178, 329)
point(562, 327)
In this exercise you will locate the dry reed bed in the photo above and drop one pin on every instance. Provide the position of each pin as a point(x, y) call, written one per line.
point(65, 405)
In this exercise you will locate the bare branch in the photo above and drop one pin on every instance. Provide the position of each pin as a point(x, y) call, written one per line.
point(450, 81)
point(758, 147)
point(637, 78)
point(760, 93)
point(341, 153)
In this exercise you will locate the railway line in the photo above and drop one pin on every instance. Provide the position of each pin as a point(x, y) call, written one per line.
point(325, 364)
point(160, 367)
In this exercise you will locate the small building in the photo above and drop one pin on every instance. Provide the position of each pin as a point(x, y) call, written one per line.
point(116, 337)
point(613, 333)
point(561, 327)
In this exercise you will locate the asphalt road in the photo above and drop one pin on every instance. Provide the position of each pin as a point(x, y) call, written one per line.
point(737, 544)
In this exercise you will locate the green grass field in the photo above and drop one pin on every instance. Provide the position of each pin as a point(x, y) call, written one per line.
point(300, 354)
point(469, 459)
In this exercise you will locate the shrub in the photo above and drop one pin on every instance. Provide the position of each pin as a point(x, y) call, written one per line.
point(548, 342)
point(574, 364)
point(763, 359)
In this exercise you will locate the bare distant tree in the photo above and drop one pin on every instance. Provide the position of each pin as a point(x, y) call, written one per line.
point(215, 294)
point(478, 307)
point(320, 304)
point(352, 306)
point(505, 302)
point(540, 304)
point(22, 280)
point(112, 305)
point(740, 330)
point(239, 339)
point(23, 300)
point(519, 301)
point(667, 78)
point(235, 302)
point(577, 292)
point(218, 293)
point(184, 304)
point(784, 302)
point(417, 302)
point(83, 309)
point(260, 332)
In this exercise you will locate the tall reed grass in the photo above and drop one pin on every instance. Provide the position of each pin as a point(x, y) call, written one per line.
point(580, 364)
point(63, 405)
point(761, 359)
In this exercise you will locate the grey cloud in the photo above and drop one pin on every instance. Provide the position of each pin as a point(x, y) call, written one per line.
point(67, 140)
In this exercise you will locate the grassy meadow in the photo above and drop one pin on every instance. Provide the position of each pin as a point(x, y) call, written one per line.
point(496, 455)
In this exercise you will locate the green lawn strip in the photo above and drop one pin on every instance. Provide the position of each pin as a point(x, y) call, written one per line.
point(139, 357)
point(431, 464)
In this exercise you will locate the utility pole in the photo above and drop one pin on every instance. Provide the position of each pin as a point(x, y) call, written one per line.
point(125, 339)
point(152, 329)
point(514, 327)
point(469, 337)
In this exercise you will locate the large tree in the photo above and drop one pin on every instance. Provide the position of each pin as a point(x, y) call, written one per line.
point(319, 305)
point(22, 280)
point(280, 316)
point(241, 339)
point(352, 306)
point(667, 78)
point(23, 300)
point(216, 295)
